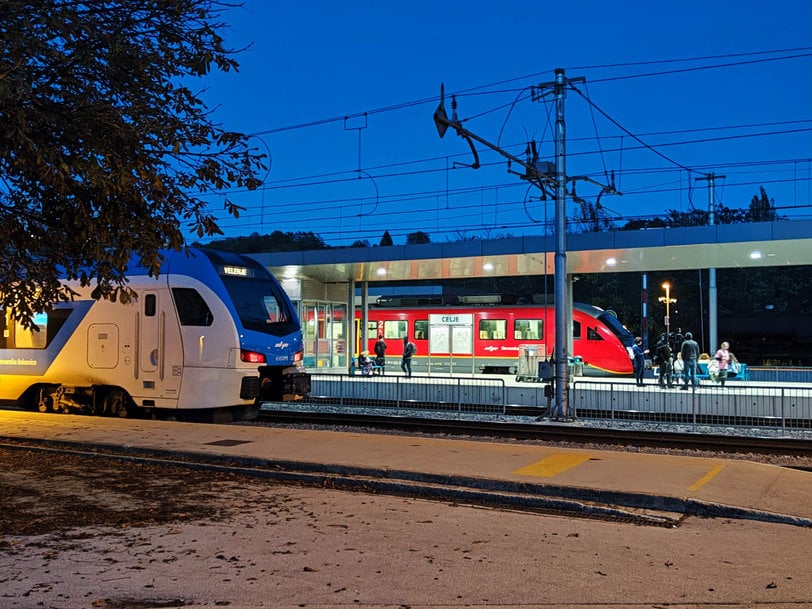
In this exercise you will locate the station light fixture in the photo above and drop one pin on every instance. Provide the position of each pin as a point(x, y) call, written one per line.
point(668, 302)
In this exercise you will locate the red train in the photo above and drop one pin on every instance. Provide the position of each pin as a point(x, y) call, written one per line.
point(466, 338)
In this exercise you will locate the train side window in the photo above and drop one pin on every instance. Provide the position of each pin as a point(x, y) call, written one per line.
point(372, 329)
point(17, 337)
point(492, 329)
point(421, 329)
point(150, 305)
point(395, 329)
point(576, 329)
point(592, 334)
point(528, 329)
point(192, 309)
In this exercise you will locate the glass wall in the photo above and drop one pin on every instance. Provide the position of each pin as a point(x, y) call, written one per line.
point(324, 330)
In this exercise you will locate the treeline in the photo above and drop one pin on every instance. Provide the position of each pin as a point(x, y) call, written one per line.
point(588, 217)
point(299, 241)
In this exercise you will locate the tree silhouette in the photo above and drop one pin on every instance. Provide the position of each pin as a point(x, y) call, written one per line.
point(277, 241)
point(762, 208)
point(417, 238)
point(105, 145)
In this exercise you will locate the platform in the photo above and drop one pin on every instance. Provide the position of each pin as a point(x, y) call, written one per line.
point(712, 486)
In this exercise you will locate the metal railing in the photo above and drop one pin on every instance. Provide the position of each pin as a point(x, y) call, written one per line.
point(731, 405)
point(780, 374)
point(476, 394)
point(737, 406)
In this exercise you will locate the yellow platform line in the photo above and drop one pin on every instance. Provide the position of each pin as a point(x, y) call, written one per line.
point(552, 465)
point(706, 478)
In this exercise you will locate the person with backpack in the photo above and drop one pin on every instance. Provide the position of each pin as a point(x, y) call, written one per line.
point(408, 351)
point(664, 357)
point(380, 353)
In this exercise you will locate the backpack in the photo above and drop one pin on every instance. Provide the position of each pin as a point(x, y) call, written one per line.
point(410, 350)
point(380, 348)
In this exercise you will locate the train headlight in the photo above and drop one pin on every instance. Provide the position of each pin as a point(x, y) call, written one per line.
point(252, 357)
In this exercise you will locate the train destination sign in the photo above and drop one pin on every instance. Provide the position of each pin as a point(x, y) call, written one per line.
point(451, 319)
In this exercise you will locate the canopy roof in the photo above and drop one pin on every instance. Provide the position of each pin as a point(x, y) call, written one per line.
point(766, 244)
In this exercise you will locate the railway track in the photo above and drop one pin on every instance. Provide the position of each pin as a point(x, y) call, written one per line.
point(502, 428)
point(552, 431)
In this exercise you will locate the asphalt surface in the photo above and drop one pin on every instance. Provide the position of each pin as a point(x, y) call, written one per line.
point(740, 535)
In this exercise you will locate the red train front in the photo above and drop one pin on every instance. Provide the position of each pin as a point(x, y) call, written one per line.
point(476, 339)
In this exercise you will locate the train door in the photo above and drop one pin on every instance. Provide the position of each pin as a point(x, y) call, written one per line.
point(160, 351)
point(452, 335)
point(148, 334)
point(576, 346)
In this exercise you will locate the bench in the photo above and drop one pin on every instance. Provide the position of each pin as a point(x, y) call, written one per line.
point(743, 374)
point(354, 369)
point(702, 372)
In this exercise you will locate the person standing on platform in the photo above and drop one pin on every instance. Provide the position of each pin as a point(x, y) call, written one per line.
point(380, 353)
point(639, 360)
point(408, 351)
point(679, 368)
point(664, 355)
point(690, 355)
point(723, 357)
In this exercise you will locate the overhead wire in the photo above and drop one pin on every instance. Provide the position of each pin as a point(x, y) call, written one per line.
point(469, 90)
point(323, 178)
point(332, 178)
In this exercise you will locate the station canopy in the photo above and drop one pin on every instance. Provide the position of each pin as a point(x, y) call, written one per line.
point(765, 244)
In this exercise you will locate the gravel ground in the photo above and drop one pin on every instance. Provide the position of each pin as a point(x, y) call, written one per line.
point(45, 493)
point(84, 533)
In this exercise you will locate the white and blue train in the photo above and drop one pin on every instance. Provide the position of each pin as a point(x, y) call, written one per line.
point(215, 334)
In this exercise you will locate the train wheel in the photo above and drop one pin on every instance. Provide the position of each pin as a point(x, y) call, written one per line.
point(45, 404)
point(115, 403)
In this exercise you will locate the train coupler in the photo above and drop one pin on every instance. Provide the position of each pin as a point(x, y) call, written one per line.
point(283, 384)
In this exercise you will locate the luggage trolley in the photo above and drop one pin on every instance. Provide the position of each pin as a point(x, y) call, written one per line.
point(528, 367)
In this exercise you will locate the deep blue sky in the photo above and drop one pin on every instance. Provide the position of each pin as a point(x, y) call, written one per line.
point(314, 63)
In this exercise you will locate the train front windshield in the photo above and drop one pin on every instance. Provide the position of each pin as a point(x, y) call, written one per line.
point(617, 328)
point(259, 300)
